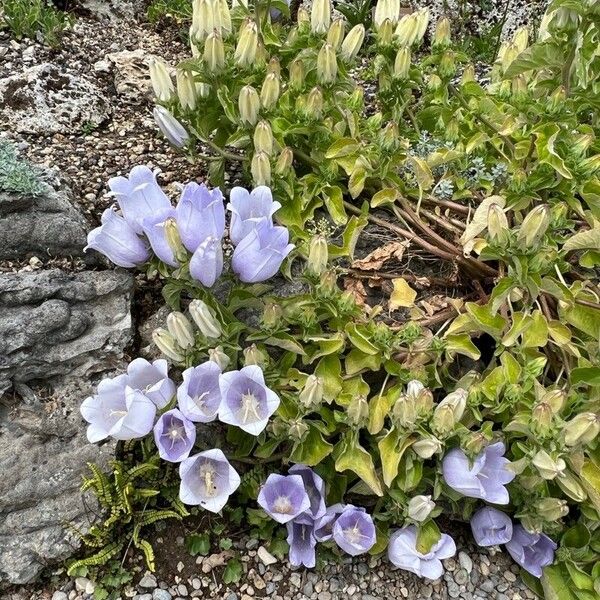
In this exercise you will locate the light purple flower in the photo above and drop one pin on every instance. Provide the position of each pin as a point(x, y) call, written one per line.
point(199, 396)
point(283, 497)
point(491, 527)
point(245, 399)
point(171, 128)
point(139, 196)
point(206, 264)
point(403, 553)
point(315, 488)
point(118, 241)
point(260, 254)
point(154, 228)
point(484, 479)
point(302, 542)
point(324, 525)
point(249, 210)
point(174, 436)
point(207, 479)
point(354, 531)
point(532, 551)
point(152, 379)
point(118, 411)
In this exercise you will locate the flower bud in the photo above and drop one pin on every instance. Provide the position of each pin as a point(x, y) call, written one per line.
point(314, 104)
point(217, 355)
point(358, 411)
point(328, 284)
point(390, 136)
point(385, 33)
point(420, 507)
point(447, 67)
point(303, 17)
point(269, 93)
point(404, 412)
point(551, 509)
point(457, 400)
point(468, 74)
point(247, 46)
point(497, 222)
point(407, 30)
point(214, 52)
point(571, 487)
point(249, 104)
point(263, 138)
point(174, 240)
point(272, 315)
point(320, 16)
point(202, 20)
point(427, 447)
point(274, 66)
point(260, 168)
point(170, 127)
point(555, 399)
point(443, 420)
point(335, 35)
point(474, 443)
point(542, 417)
point(352, 43)
point(521, 38)
point(318, 255)
point(434, 83)
point(284, 161)
point(532, 524)
point(253, 356)
point(534, 226)
point(166, 343)
point(186, 89)
point(519, 88)
point(422, 21)
point(203, 89)
point(181, 329)
point(386, 10)
point(205, 319)
point(311, 395)
point(441, 37)
point(298, 429)
point(582, 429)
point(508, 56)
point(222, 16)
point(402, 63)
point(161, 80)
point(297, 74)
point(548, 467)
point(327, 64)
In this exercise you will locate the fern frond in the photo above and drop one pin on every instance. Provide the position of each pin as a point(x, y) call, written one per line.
point(146, 547)
point(100, 558)
point(155, 515)
point(140, 470)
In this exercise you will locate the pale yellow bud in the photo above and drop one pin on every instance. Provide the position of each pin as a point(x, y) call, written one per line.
point(181, 329)
point(386, 9)
point(510, 53)
point(352, 43)
point(385, 33)
point(298, 429)
point(534, 226)
point(249, 104)
point(407, 30)
point(269, 93)
point(582, 429)
point(548, 467)
point(468, 74)
point(253, 356)
point(358, 411)
point(551, 509)
point(327, 64)
point(314, 104)
point(296, 70)
point(422, 16)
point(402, 63)
point(205, 319)
point(521, 38)
point(571, 487)
point(217, 355)
point(186, 89)
point(161, 80)
point(404, 412)
point(260, 168)
point(441, 37)
point(312, 392)
point(202, 20)
point(247, 46)
point(318, 255)
point(420, 507)
point(166, 343)
point(263, 138)
point(174, 240)
point(284, 161)
point(224, 17)
point(497, 222)
point(427, 447)
point(214, 52)
point(335, 35)
point(320, 16)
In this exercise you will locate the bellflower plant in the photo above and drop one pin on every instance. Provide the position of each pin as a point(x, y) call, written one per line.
point(152, 379)
point(354, 530)
point(491, 527)
point(174, 436)
point(302, 542)
point(249, 210)
point(315, 488)
point(199, 396)
point(533, 551)
point(283, 497)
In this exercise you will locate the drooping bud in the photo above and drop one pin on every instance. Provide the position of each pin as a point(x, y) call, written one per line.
point(385, 33)
point(335, 35)
point(327, 64)
point(548, 467)
point(402, 63)
point(519, 88)
point(170, 127)
point(420, 507)
point(298, 429)
point(318, 255)
point(555, 400)
point(427, 447)
point(269, 93)
point(352, 43)
point(181, 329)
point(214, 52)
point(223, 16)
point(161, 80)
point(203, 89)
point(468, 74)
point(534, 226)
point(497, 222)
point(582, 429)
point(386, 10)
point(407, 30)
point(521, 38)
point(358, 411)
point(284, 161)
point(422, 21)
point(328, 284)
point(260, 168)
point(272, 315)
point(274, 66)
point(303, 18)
point(320, 16)
point(542, 417)
point(247, 46)
point(174, 240)
point(297, 74)
point(166, 343)
point(434, 82)
point(249, 104)
point(449, 411)
point(551, 509)
point(186, 89)
point(510, 52)
point(202, 20)
point(253, 356)
point(314, 103)
point(311, 395)
point(217, 355)
point(263, 138)
point(404, 412)
point(571, 487)
point(205, 319)
point(441, 37)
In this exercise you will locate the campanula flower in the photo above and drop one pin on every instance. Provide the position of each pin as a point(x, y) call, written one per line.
point(152, 380)
point(155, 230)
point(250, 209)
point(354, 531)
point(207, 479)
point(302, 542)
point(324, 525)
point(174, 436)
point(491, 527)
point(283, 497)
point(532, 551)
point(139, 196)
point(403, 553)
point(260, 254)
point(206, 264)
point(118, 411)
point(484, 479)
point(170, 127)
point(118, 241)
point(199, 397)
point(315, 488)
point(245, 399)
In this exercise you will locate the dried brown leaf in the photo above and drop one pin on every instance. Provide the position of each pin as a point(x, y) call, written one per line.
point(376, 259)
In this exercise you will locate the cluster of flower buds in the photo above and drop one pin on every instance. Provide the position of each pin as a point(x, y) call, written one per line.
point(320, 16)
point(208, 17)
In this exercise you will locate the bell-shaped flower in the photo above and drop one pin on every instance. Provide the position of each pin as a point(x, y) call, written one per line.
point(152, 379)
point(250, 209)
point(174, 436)
point(199, 396)
point(118, 411)
point(156, 232)
point(315, 488)
point(206, 264)
point(532, 551)
point(200, 214)
point(259, 255)
point(283, 497)
point(484, 479)
point(354, 531)
point(302, 542)
point(170, 127)
point(118, 241)
point(491, 527)
point(324, 525)
point(403, 553)
point(207, 479)
point(139, 196)
point(245, 399)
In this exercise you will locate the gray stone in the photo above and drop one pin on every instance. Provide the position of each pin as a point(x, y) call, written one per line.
point(59, 596)
point(54, 323)
point(47, 99)
point(148, 581)
point(131, 74)
point(161, 595)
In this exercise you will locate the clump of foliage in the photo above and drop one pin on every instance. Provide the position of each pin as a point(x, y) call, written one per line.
point(404, 418)
point(180, 10)
point(32, 18)
point(16, 175)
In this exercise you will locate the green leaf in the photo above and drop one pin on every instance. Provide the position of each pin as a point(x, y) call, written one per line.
point(482, 315)
point(325, 344)
point(334, 202)
point(233, 571)
point(590, 479)
point(358, 335)
point(384, 196)
point(356, 361)
point(545, 140)
point(329, 370)
point(587, 375)
point(557, 584)
point(391, 449)
point(198, 544)
point(583, 240)
point(342, 147)
point(462, 344)
point(379, 409)
point(285, 341)
point(428, 535)
point(422, 172)
point(357, 180)
point(312, 449)
point(349, 237)
point(541, 55)
point(351, 456)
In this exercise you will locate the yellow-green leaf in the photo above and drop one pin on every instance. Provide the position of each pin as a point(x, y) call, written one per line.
point(403, 295)
point(351, 456)
point(391, 449)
